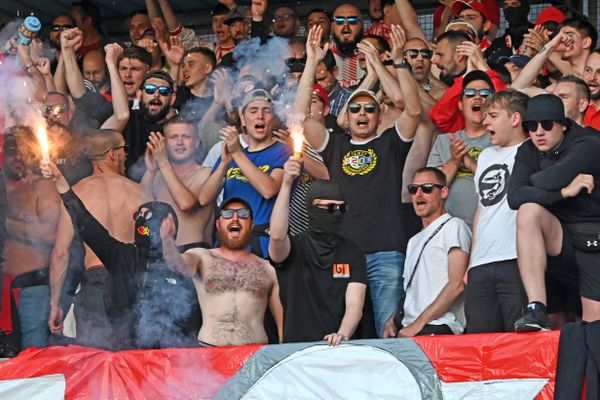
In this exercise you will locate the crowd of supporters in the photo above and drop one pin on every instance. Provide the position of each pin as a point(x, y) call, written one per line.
point(277, 187)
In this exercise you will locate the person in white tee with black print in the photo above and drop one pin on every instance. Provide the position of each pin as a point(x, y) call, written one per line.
point(494, 296)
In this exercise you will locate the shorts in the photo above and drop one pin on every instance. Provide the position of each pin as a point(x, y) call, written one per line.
point(571, 274)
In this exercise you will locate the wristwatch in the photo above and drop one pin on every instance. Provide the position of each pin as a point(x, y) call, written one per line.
point(402, 64)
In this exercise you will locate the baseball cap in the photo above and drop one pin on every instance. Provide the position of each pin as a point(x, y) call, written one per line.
point(320, 92)
point(363, 92)
point(256, 95)
point(477, 75)
point(520, 60)
point(159, 74)
point(235, 14)
point(234, 200)
point(550, 14)
point(476, 5)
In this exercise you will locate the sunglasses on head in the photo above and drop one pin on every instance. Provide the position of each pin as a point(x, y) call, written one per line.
point(475, 92)
point(227, 213)
point(56, 28)
point(355, 107)
point(352, 20)
point(414, 53)
point(332, 207)
point(532, 126)
point(162, 90)
point(147, 215)
point(425, 187)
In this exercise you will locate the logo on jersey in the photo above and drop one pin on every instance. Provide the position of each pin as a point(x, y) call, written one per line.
point(236, 173)
point(341, 270)
point(359, 162)
point(493, 184)
point(474, 152)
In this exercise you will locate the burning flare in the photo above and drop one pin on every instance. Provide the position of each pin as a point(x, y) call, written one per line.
point(298, 139)
point(42, 138)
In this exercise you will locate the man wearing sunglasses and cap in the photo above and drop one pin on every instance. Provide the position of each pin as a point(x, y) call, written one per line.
point(368, 167)
point(456, 154)
point(558, 220)
point(234, 286)
point(148, 305)
point(436, 262)
point(157, 97)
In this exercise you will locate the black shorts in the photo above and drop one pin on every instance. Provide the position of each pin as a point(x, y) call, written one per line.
point(571, 274)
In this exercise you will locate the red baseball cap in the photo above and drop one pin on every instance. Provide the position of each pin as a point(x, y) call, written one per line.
point(476, 5)
point(550, 14)
point(319, 91)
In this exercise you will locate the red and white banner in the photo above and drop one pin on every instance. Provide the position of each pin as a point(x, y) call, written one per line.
point(490, 366)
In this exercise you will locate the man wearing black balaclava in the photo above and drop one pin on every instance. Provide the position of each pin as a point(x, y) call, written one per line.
point(322, 275)
point(151, 306)
point(516, 13)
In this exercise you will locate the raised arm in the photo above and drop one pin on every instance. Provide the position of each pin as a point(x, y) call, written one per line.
point(168, 14)
point(152, 9)
point(70, 41)
point(279, 244)
point(213, 185)
point(457, 266)
point(120, 101)
point(389, 83)
point(187, 264)
point(408, 18)
point(409, 119)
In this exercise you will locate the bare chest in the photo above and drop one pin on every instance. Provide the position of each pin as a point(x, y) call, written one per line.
point(227, 276)
point(22, 203)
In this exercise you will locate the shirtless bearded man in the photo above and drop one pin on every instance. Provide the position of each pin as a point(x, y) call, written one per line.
point(234, 286)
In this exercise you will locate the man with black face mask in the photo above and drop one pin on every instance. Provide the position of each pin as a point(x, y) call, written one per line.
point(150, 305)
point(323, 276)
point(516, 13)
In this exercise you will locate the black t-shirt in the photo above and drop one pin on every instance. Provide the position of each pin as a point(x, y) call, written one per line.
point(136, 134)
point(191, 106)
point(313, 296)
point(370, 177)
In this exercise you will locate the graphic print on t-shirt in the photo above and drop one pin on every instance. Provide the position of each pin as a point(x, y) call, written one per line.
point(341, 270)
point(474, 153)
point(359, 162)
point(236, 173)
point(493, 184)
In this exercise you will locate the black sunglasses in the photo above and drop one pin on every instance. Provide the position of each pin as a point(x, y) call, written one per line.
point(355, 107)
point(474, 92)
point(293, 61)
point(425, 187)
point(414, 53)
point(532, 126)
point(332, 207)
point(352, 20)
point(56, 28)
point(162, 90)
point(227, 213)
point(147, 215)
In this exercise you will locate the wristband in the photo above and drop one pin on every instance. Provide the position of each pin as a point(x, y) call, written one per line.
point(402, 65)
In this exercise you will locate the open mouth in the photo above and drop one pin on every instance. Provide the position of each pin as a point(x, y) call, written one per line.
point(235, 229)
point(155, 104)
point(259, 127)
point(420, 204)
point(476, 108)
point(128, 84)
point(593, 86)
point(362, 123)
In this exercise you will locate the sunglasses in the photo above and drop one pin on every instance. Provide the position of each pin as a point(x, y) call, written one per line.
point(56, 28)
point(355, 107)
point(56, 109)
point(227, 213)
point(124, 147)
point(414, 53)
point(425, 187)
point(475, 92)
point(532, 126)
point(294, 61)
point(352, 20)
point(331, 207)
point(162, 90)
point(282, 17)
point(147, 215)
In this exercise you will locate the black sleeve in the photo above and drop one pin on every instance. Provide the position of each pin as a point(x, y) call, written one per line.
point(258, 29)
point(108, 249)
point(94, 106)
point(520, 189)
point(579, 159)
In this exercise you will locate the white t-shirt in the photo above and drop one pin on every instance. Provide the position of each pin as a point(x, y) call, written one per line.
point(432, 272)
point(496, 230)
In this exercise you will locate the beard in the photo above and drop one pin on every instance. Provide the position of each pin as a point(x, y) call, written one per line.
point(154, 116)
point(347, 49)
point(238, 243)
point(595, 96)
